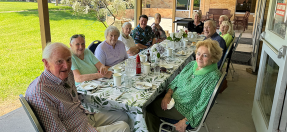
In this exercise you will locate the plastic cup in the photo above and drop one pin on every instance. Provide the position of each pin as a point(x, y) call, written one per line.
point(185, 43)
point(142, 58)
point(117, 79)
point(128, 81)
point(117, 69)
point(146, 68)
point(157, 70)
point(169, 52)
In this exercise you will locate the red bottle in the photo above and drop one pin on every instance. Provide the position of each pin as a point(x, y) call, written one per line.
point(138, 65)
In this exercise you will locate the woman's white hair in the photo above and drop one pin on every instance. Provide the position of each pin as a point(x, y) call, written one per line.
point(225, 18)
point(126, 23)
point(198, 13)
point(50, 48)
point(157, 14)
point(230, 29)
point(111, 29)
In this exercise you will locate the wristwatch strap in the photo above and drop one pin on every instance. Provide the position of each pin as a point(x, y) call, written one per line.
point(186, 122)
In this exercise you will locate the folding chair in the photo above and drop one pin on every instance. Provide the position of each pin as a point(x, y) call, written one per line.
point(208, 108)
point(232, 52)
point(93, 46)
point(226, 55)
point(36, 124)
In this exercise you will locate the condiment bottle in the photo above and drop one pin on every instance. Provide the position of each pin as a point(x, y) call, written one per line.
point(148, 56)
point(138, 64)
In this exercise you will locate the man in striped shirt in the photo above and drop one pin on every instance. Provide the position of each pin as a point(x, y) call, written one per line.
point(53, 97)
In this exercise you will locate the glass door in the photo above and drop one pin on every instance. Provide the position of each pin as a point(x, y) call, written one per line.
point(270, 105)
point(258, 26)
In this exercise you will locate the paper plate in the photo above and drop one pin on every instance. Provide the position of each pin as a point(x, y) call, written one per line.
point(181, 54)
point(89, 86)
point(143, 85)
point(167, 66)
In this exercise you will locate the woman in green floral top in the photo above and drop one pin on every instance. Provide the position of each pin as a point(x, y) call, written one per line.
point(191, 90)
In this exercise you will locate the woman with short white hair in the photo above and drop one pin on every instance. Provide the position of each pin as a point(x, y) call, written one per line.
point(111, 51)
point(196, 25)
point(226, 30)
point(129, 42)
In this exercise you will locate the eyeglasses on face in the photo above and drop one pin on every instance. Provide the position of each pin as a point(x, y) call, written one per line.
point(76, 36)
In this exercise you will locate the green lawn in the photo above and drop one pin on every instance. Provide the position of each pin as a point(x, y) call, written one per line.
point(20, 6)
point(20, 43)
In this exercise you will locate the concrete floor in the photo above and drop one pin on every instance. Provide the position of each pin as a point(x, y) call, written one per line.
point(232, 113)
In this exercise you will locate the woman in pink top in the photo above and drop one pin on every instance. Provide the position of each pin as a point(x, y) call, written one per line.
point(111, 51)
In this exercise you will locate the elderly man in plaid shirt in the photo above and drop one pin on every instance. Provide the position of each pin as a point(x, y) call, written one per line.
point(53, 97)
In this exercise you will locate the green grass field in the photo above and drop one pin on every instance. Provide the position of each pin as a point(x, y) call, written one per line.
point(20, 43)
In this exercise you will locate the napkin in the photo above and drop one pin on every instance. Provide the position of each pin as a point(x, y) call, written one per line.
point(171, 104)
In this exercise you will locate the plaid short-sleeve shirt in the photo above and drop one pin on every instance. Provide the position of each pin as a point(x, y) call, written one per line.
point(141, 36)
point(56, 104)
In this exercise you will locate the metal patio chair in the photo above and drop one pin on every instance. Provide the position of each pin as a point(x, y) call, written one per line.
point(36, 124)
point(229, 62)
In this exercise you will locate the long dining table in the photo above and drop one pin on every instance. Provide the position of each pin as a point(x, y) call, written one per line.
point(101, 94)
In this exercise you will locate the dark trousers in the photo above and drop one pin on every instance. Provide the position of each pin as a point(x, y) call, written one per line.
point(154, 112)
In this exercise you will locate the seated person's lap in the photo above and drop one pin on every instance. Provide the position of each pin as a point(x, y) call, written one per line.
point(109, 120)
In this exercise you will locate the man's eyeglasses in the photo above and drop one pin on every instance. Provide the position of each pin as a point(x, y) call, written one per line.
point(76, 36)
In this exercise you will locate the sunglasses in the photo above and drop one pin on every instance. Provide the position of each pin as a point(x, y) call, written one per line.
point(76, 36)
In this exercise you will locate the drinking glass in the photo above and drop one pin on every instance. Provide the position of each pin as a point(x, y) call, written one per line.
point(157, 69)
point(130, 67)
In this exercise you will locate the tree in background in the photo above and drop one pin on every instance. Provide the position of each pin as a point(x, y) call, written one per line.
point(101, 8)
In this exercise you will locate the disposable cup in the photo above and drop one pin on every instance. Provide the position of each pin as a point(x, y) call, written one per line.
point(142, 58)
point(117, 69)
point(169, 52)
point(146, 68)
point(185, 42)
point(117, 79)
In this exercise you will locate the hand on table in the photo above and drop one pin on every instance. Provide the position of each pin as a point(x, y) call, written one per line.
point(180, 126)
point(103, 70)
point(133, 51)
point(165, 101)
point(108, 75)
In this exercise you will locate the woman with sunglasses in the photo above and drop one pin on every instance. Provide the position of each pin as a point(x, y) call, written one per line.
point(111, 51)
point(85, 65)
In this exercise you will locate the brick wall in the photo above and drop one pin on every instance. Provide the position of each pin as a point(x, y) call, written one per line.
point(227, 4)
point(159, 3)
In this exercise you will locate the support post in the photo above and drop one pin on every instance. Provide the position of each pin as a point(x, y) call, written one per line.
point(173, 14)
point(138, 12)
point(44, 22)
point(191, 8)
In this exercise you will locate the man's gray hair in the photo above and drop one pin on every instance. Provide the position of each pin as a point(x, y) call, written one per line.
point(50, 48)
point(212, 23)
point(225, 18)
point(125, 24)
point(111, 29)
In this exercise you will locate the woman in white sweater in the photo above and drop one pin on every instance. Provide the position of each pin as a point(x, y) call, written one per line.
point(130, 45)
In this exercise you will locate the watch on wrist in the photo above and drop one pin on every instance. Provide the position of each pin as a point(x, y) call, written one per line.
point(186, 122)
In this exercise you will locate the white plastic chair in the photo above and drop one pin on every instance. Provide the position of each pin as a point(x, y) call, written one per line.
point(36, 124)
point(209, 106)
